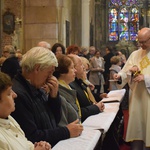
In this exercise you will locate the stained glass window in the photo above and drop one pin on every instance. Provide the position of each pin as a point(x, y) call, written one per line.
point(123, 20)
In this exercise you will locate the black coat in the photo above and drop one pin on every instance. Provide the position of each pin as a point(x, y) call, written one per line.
point(107, 64)
point(37, 114)
point(87, 108)
point(11, 66)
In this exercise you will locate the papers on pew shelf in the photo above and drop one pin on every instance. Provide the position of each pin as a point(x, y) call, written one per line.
point(103, 120)
point(86, 141)
point(114, 96)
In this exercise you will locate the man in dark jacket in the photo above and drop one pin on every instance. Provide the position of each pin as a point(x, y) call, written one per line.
point(11, 65)
point(107, 65)
point(87, 106)
point(38, 112)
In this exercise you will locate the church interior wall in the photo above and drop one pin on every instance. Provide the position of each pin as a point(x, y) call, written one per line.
point(57, 21)
point(44, 20)
point(14, 6)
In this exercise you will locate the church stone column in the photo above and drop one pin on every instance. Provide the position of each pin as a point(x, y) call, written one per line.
point(85, 23)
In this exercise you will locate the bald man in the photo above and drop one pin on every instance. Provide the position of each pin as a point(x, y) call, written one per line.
point(44, 44)
point(137, 72)
point(88, 108)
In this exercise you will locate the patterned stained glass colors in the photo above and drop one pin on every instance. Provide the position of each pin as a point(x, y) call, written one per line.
point(123, 20)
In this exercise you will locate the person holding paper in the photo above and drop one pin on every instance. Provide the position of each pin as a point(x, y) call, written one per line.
point(137, 73)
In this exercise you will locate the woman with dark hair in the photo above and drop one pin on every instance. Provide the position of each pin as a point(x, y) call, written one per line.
point(65, 73)
point(58, 49)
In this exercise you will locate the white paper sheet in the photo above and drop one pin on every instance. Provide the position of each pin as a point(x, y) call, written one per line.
point(102, 120)
point(114, 96)
point(86, 141)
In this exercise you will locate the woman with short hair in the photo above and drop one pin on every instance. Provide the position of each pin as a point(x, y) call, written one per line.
point(11, 135)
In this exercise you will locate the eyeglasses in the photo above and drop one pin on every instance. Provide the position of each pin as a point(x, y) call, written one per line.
point(143, 42)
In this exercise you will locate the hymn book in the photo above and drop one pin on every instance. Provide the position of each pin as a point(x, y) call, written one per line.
point(114, 96)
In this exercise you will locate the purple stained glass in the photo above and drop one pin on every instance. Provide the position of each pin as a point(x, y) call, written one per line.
point(113, 26)
point(132, 2)
point(123, 20)
point(133, 36)
point(124, 2)
point(134, 27)
point(115, 1)
point(124, 36)
point(123, 17)
point(113, 15)
point(123, 27)
point(113, 36)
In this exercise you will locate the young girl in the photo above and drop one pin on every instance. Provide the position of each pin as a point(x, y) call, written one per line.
point(115, 68)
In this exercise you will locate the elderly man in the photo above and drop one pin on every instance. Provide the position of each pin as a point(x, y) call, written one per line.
point(38, 113)
point(87, 106)
point(137, 72)
point(91, 53)
point(44, 44)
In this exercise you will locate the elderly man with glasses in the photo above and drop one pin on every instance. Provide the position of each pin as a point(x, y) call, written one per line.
point(137, 72)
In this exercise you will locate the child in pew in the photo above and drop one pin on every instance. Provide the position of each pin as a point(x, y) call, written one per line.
point(115, 68)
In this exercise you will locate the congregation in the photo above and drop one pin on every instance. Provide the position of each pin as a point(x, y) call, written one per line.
point(48, 92)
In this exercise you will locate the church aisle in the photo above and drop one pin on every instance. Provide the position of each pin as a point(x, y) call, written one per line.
point(125, 146)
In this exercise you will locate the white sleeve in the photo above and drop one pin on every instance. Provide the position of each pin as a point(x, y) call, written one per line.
point(147, 82)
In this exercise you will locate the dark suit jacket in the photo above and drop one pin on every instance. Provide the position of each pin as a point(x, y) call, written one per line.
point(107, 64)
point(11, 66)
point(87, 108)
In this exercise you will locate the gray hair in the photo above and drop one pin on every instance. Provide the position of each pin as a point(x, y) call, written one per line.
point(38, 55)
point(44, 44)
point(10, 49)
